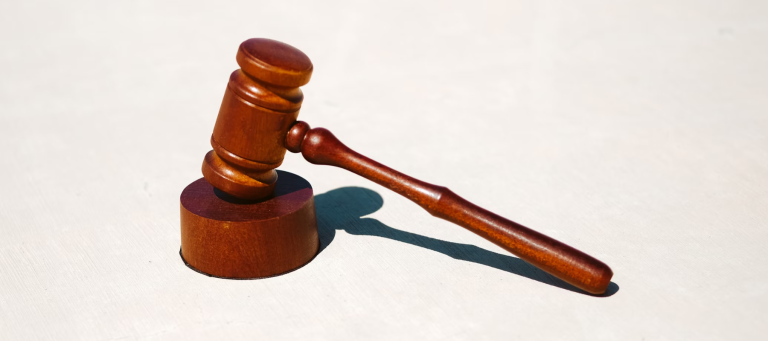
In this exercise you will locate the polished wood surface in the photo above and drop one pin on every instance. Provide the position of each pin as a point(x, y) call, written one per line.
point(257, 123)
point(261, 101)
point(320, 146)
point(228, 237)
point(635, 131)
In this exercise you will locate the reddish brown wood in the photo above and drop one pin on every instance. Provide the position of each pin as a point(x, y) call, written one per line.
point(295, 136)
point(319, 146)
point(228, 237)
point(260, 103)
point(255, 126)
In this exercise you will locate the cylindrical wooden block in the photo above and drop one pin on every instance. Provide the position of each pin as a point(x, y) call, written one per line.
point(223, 236)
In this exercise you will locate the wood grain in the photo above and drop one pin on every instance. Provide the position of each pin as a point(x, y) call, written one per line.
point(252, 134)
point(320, 146)
point(260, 103)
point(229, 237)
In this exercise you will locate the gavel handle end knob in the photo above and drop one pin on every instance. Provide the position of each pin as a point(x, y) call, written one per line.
point(320, 146)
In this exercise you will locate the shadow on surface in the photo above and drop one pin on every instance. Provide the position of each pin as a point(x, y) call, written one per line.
point(344, 208)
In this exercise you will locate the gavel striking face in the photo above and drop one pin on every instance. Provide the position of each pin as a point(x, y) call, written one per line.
point(257, 123)
point(260, 104)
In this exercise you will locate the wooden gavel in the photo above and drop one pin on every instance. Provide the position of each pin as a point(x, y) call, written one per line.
point(257, 124)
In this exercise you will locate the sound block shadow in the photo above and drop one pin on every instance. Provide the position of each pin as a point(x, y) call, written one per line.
point(343, 209)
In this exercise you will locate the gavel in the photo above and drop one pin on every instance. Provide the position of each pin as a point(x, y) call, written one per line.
point(257, 123)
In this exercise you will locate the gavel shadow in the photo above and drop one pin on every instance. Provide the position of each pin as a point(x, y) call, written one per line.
point(344, 208)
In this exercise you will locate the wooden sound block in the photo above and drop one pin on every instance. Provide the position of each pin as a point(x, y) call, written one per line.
point(223, 236)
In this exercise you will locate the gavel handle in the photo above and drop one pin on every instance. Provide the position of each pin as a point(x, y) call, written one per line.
point(320, 146)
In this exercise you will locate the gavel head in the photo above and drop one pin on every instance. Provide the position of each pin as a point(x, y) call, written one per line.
point(261, 102)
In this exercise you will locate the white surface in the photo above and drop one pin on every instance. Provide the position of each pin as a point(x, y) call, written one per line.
point(633, 130)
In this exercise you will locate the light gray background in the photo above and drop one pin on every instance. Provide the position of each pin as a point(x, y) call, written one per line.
point(633, 130)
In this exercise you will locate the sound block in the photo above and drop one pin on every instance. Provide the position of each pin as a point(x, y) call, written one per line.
point(226, 237)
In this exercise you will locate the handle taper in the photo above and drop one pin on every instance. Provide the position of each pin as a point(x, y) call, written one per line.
point(583, 271)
